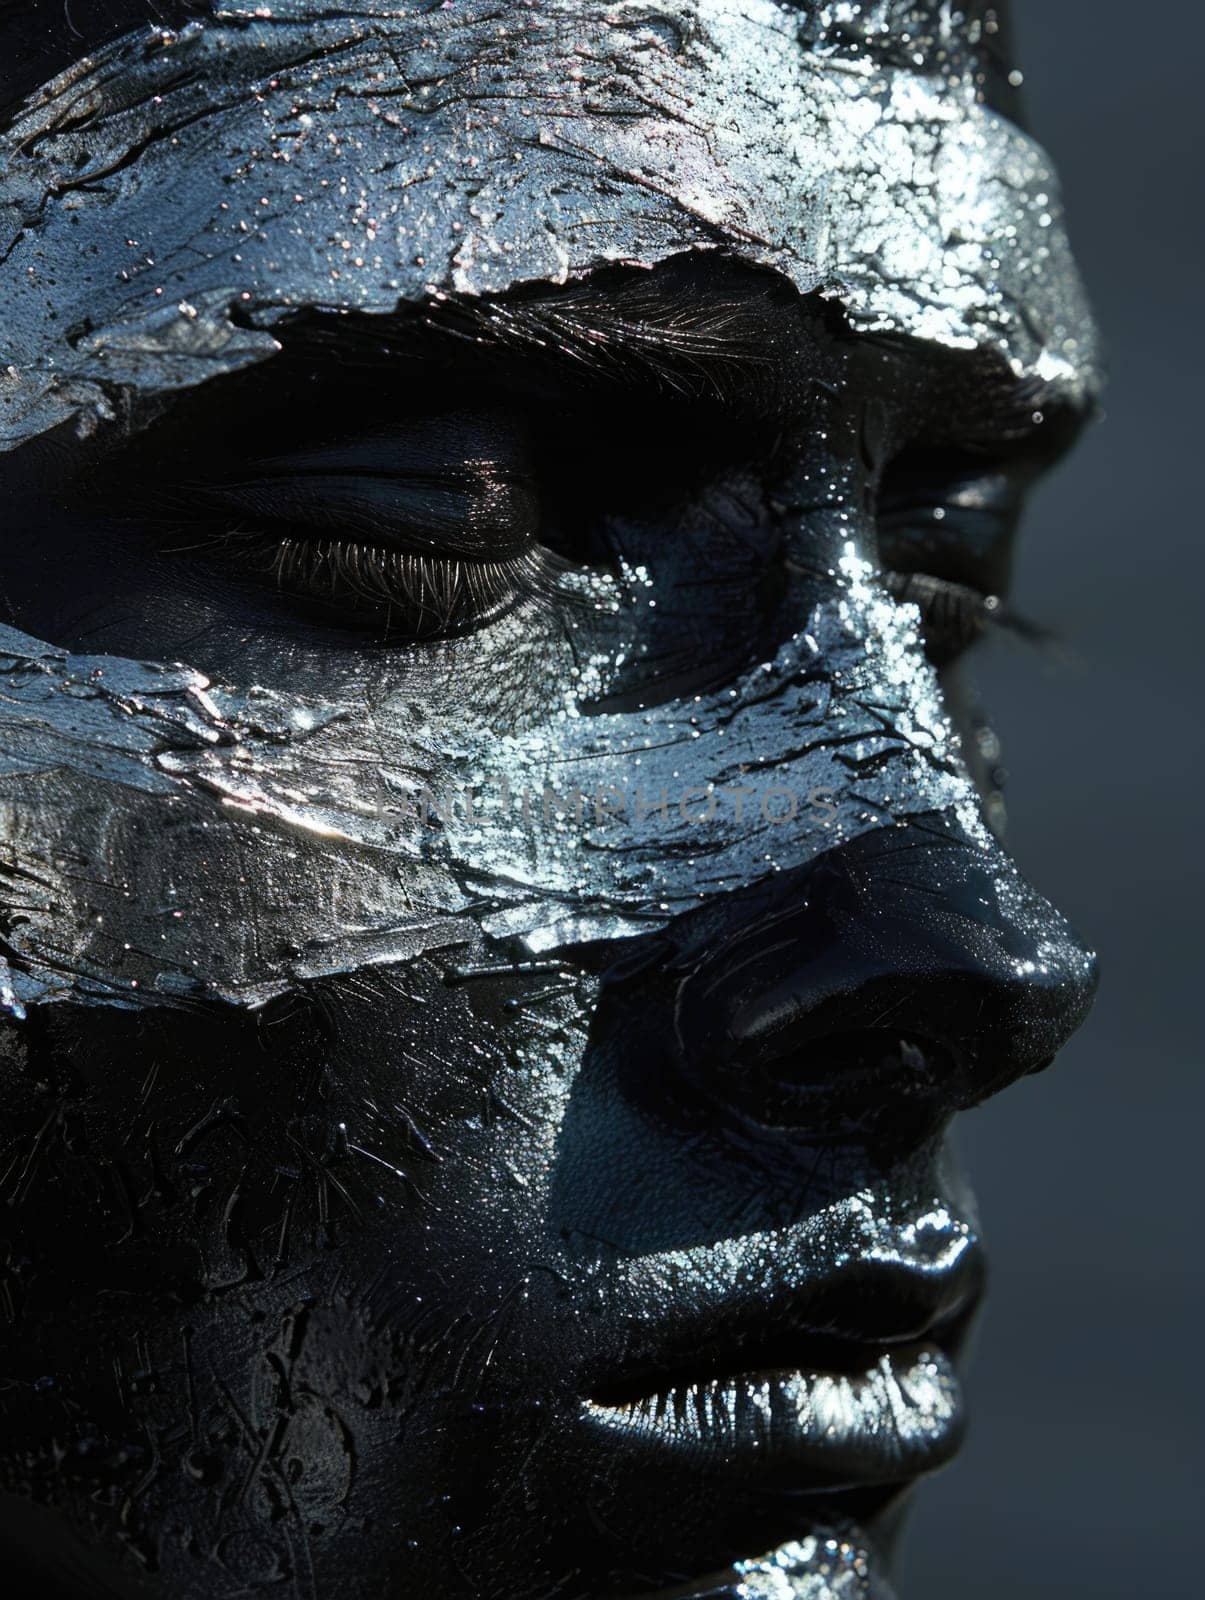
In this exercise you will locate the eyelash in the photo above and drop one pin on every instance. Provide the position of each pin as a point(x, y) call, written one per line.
point(421, 595)
point(426, 596)
point(955, 615)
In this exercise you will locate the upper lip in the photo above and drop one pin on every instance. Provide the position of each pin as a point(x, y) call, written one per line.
point(852, 1312)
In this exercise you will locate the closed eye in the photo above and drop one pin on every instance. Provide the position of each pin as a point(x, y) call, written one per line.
point(946, 524)
point(426, 527)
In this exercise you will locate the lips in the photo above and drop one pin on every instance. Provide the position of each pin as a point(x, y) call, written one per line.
point(888, 1416)
point(846, 1380)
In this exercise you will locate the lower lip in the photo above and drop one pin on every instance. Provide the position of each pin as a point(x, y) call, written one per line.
point(898, 1418)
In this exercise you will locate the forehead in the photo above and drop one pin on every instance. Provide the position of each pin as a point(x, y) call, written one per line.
point(42, 37)
point(176, 193)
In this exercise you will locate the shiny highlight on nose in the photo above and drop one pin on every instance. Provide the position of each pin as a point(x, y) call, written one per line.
point(913, 962)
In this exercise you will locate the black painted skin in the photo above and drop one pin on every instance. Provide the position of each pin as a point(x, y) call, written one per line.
point(305, 1299)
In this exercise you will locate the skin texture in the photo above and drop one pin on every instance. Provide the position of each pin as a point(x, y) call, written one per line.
point(374, 1157)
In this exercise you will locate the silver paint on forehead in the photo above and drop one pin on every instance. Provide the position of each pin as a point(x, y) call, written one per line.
point(168, 201)
point(169, 838)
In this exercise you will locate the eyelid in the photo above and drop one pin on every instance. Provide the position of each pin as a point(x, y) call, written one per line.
point(459, 485)
point(434, 443)
point(920, 478)
point(476, 514)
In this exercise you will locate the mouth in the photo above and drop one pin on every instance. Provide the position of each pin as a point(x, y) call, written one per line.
point(848, 1386)
point(828, 1417)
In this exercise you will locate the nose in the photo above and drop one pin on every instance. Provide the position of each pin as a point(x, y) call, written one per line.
point(910, 970)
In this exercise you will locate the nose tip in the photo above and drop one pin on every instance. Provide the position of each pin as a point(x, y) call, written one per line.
point(914, 962)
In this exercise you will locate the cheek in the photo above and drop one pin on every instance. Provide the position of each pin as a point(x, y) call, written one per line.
point(196, 1149)
point(233, 1203)
point(599, 823)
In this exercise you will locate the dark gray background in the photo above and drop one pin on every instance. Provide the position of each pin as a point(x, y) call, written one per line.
point(1081, 1475)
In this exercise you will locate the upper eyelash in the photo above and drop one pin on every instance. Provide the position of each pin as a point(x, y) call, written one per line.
point(965, 613)
point(434, 593)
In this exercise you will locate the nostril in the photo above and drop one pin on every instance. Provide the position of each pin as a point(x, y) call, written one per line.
point(863, 1054)
point(903, 975)
point(836, 1085)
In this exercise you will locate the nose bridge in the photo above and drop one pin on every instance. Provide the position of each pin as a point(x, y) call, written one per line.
point(918, 939)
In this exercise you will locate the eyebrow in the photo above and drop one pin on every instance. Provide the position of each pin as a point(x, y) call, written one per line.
point(746, 342)
point(690, 340)
point(708, 330)
point(736, 351)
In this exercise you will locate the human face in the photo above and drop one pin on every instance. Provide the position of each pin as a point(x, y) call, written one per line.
point(498, 916)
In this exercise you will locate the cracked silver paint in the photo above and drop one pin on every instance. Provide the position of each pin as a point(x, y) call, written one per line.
point(168, 201)
point(290, 847)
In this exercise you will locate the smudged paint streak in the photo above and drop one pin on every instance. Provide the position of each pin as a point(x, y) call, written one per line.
point(165, 203)
point(277, 858)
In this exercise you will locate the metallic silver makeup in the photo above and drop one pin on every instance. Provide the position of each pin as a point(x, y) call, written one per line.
point(367, 154)
point(583, 827)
